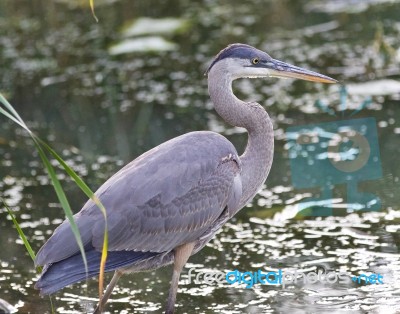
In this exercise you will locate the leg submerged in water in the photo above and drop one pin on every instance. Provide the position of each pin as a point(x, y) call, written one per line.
point(100, 307)
point(181, 255)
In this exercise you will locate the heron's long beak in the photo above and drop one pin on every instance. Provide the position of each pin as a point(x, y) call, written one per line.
point(285, 70)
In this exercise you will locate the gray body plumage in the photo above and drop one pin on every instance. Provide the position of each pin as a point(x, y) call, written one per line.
point(165, 197)
point(171, 194)
point(169, 202)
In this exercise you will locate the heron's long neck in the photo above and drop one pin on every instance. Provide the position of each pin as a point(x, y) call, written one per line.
point(257, 158)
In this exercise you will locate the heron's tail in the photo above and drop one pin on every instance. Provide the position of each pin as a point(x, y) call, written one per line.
point(71, 270)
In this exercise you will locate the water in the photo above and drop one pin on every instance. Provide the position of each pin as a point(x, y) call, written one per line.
point(100, 111)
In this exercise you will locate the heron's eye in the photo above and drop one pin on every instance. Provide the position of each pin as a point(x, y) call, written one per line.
point(255, 60)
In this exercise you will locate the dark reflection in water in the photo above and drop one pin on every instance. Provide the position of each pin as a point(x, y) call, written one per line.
point(101, 110)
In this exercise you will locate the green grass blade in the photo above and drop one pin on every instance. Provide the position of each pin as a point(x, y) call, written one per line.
point(20, 232)
point(63, 199)
point(26, 243)
point(83, 186)
point(40, 144)
point(78, 180)
point(13, 115)
point(13, 112)
point(52, 305)
point(92, 8)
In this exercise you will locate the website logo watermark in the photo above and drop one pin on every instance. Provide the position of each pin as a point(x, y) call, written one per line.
point(279, 277)
point(369, 279)
point(324, 155)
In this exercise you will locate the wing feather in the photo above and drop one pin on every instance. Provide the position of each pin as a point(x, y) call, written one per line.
point(168, 196)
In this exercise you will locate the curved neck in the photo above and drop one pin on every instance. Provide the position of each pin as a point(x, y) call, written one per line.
point(257, 157)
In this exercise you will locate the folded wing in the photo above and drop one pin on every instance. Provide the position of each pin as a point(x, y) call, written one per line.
point(168, 196)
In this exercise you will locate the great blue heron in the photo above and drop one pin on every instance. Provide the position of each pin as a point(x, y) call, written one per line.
point(168, 203)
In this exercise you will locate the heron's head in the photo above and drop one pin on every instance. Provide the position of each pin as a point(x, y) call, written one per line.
point(239, 60)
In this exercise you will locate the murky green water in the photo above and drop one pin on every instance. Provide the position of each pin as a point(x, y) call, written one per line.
point(101, 110)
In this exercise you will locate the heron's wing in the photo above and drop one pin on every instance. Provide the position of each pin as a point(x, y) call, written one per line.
point(168, 196)
point(160, 226)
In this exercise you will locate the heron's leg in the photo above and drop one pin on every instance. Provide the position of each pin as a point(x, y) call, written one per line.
point(181, 255)
point(110, 287)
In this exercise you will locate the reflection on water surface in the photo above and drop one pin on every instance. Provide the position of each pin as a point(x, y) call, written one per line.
point(101, 109)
